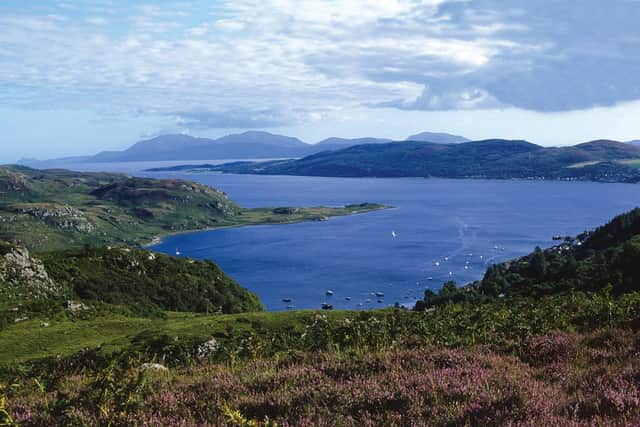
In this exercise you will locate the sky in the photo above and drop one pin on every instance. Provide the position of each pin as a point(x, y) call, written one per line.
point(78, 77)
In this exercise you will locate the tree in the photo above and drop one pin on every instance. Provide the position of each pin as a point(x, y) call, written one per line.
point(538, 263)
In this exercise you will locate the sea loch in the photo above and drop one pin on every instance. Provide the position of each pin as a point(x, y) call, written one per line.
point(444, 230)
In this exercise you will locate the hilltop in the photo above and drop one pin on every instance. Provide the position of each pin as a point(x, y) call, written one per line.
point(60, 209)
point(606, 161)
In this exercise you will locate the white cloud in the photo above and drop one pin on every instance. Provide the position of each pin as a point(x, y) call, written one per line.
point(96, 20)
point(229, 25)
point(303, 58)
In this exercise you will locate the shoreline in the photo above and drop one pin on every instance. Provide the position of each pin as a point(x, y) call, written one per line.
point(156, 240)
point(470, 178)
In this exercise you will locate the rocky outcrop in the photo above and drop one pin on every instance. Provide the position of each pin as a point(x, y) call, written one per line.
point(13, 182)
point(75, 306)
point(64, 217)
point(22, 276)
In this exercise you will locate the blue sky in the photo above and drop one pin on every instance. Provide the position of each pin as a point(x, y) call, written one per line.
point(77, 77)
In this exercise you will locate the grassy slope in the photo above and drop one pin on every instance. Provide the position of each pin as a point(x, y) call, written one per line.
point(57, 209)
point(28, 341)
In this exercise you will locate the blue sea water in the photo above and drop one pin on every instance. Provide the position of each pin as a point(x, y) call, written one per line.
point(464, 225)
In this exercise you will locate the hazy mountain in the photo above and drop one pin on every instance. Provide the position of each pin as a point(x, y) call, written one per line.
point(634, 142)
point(340, 143)
point(438, 138)
point(259, 137)
point(246, 145)
point(495, 158)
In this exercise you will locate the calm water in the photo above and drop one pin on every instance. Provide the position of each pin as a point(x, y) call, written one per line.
point(456, 223)
point(452, 222)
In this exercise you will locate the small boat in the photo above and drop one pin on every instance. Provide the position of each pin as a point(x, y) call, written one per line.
point(177, 252)
point(326, 306)
point(286, 299)
point(451, 273)
point(379, 294)
point(329, 293)
point(429, 278)
point(446, 258)
point(394, 234)
point(380, 301)
point(367, 300)
point(347, 298)
point(466, 267)
point(437, 264)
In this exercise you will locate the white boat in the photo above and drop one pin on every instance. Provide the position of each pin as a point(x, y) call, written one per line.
point(437, 264)
point(394, 234)
point(329, 292)
point(429, 278)
point(177, 252)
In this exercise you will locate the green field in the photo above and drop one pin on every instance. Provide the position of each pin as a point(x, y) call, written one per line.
point(29, 341)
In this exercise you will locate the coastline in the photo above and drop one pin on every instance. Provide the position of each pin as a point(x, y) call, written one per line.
point(158, 239)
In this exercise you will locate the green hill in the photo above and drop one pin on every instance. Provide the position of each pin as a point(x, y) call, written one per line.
point(59, 209)
point(98, 281)
point(493, 159)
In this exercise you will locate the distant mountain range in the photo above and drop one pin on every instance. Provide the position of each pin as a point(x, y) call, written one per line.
point(601, 160)
point(246, 145)
point(438, 138)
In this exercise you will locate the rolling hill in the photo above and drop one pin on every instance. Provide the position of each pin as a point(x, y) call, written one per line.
point(60, 209)
point(602, 160)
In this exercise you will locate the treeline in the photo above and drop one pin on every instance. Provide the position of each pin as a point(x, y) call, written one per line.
point(145, 282)
point(606, 259)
